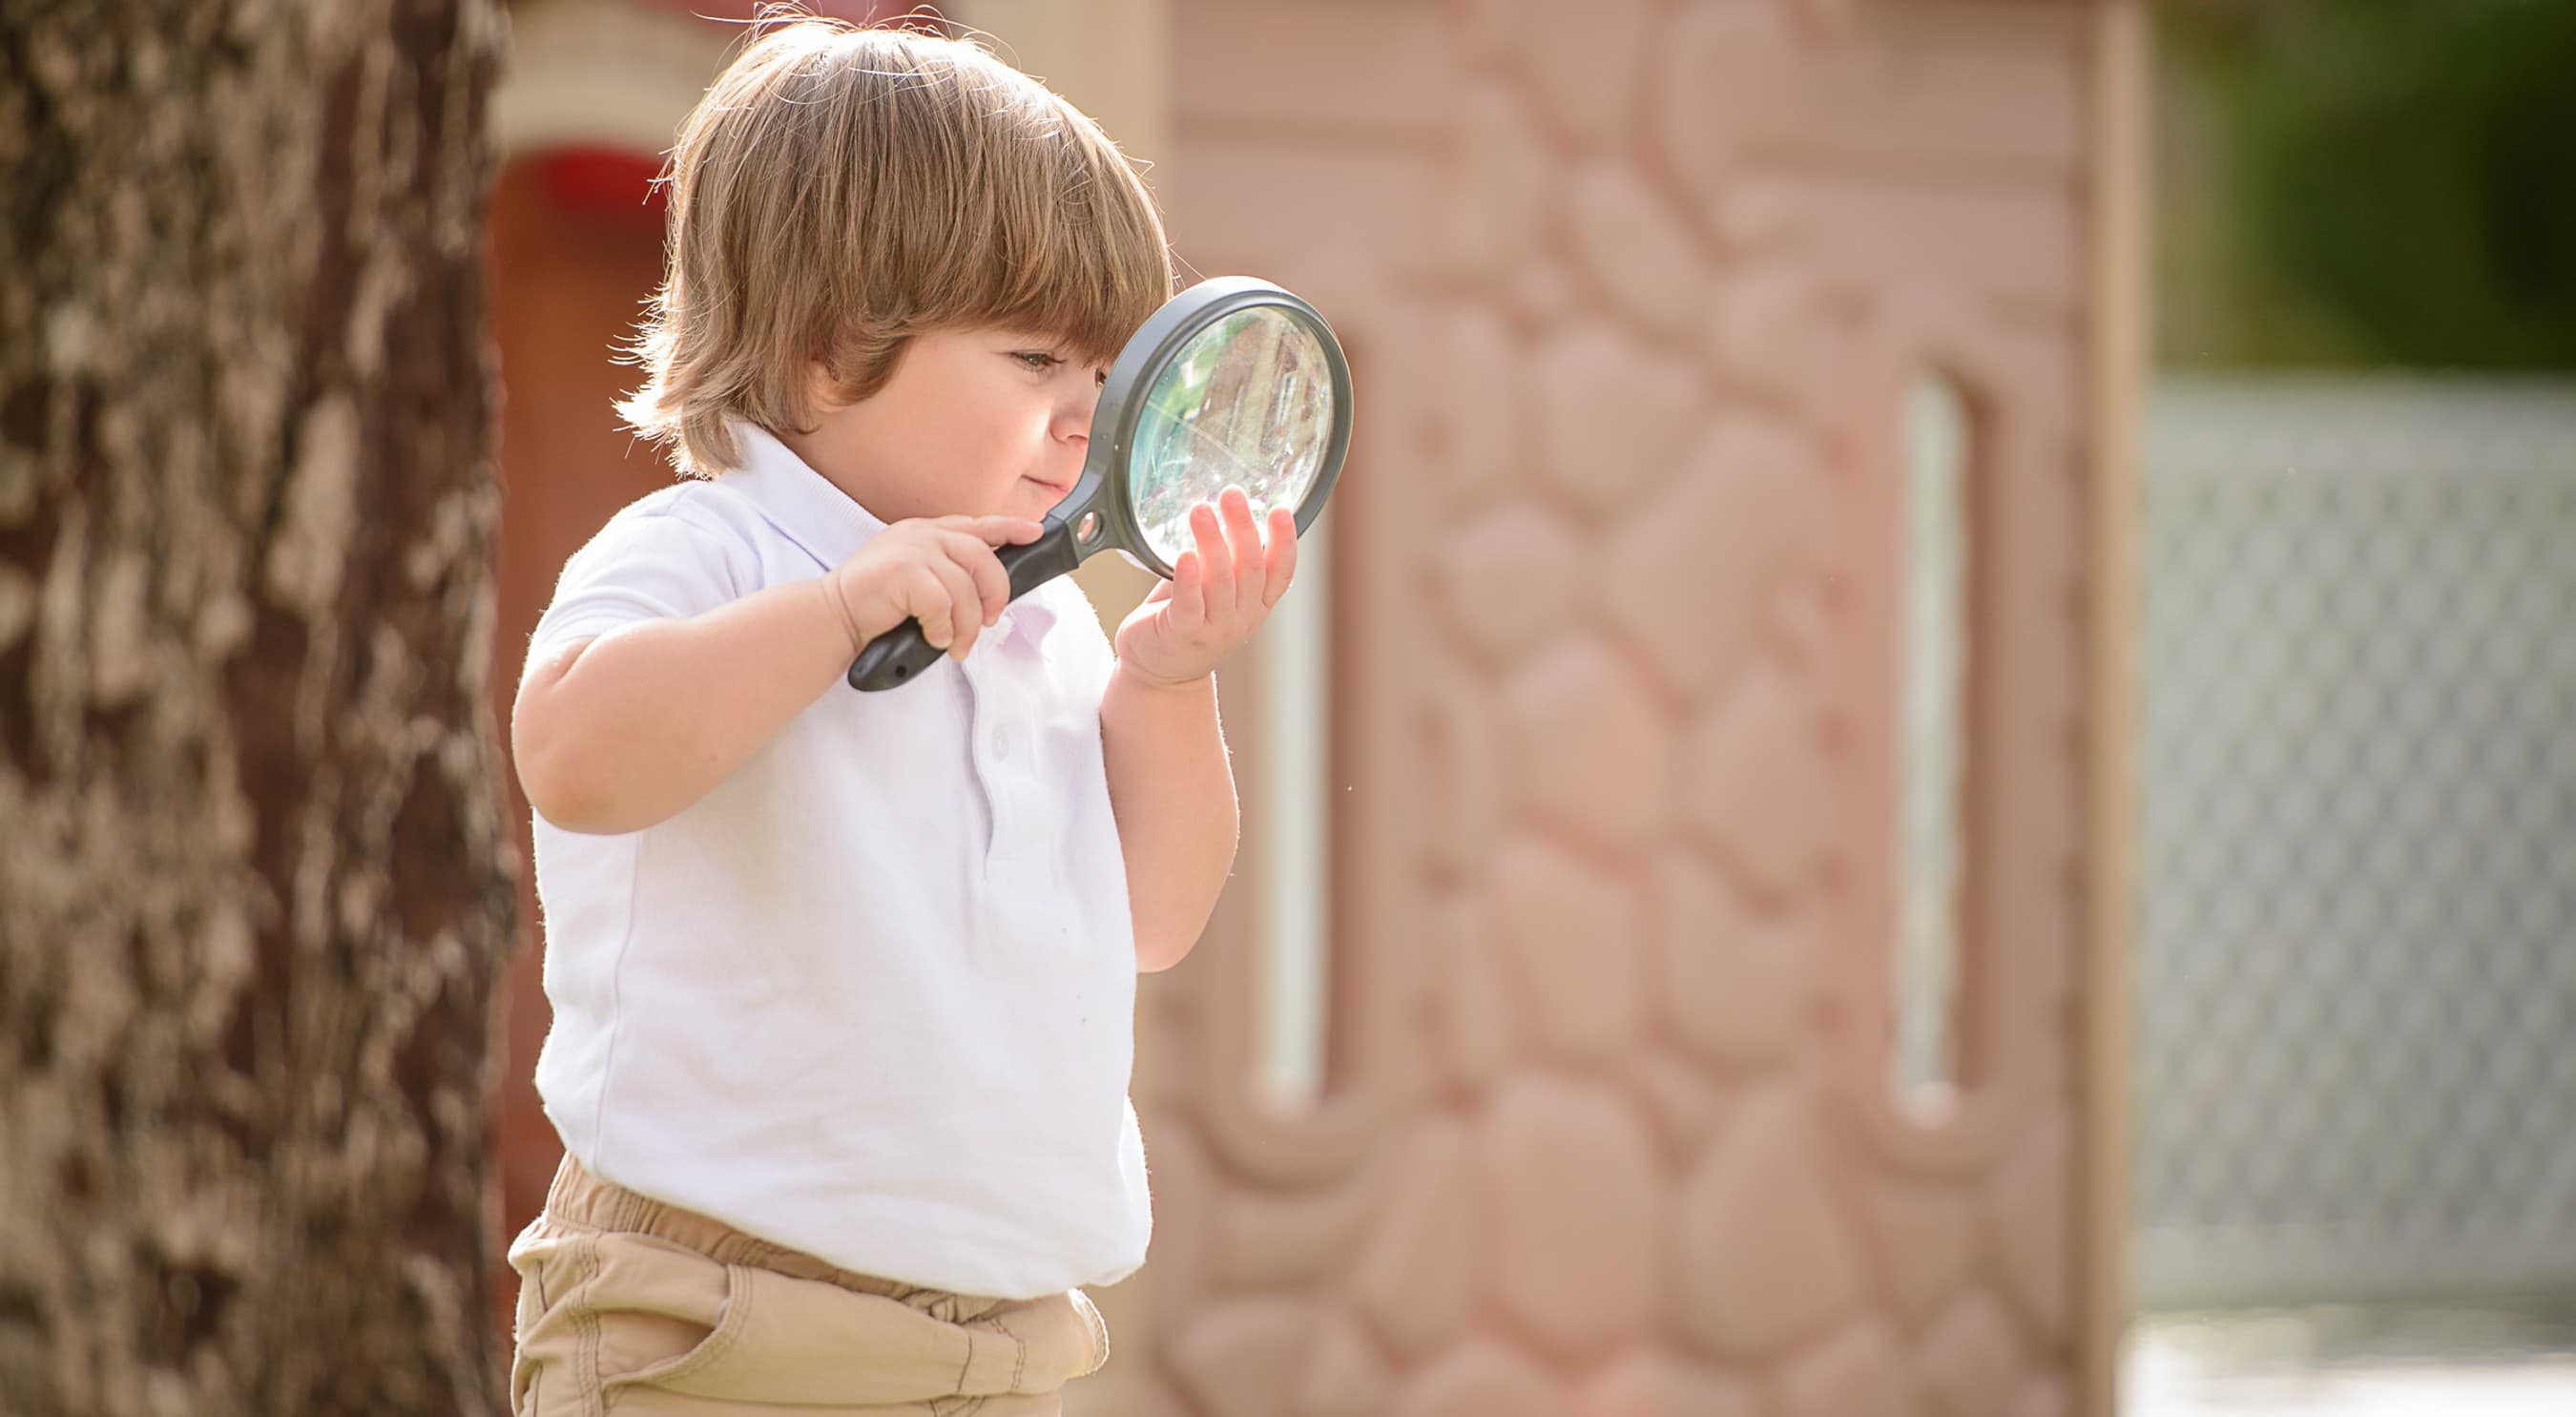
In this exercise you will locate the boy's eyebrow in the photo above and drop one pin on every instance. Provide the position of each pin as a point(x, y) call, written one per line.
point(1061, 343)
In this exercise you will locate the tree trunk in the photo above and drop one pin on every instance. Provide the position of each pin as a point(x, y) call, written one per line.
point(254, 890)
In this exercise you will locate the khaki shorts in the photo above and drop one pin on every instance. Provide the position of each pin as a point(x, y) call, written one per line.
point(630, 1306)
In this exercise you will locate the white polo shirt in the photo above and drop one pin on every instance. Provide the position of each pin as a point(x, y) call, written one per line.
point(873, 997)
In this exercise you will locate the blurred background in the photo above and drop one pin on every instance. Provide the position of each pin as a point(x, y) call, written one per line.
point(1925, 768)
point(2355, 950)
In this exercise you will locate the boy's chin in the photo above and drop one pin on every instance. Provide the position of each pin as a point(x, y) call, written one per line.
point(1033, 499)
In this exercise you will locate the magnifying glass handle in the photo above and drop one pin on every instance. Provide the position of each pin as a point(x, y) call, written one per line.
point(902, 653)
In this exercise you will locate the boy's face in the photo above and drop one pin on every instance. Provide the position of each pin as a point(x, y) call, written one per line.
point(976, 422)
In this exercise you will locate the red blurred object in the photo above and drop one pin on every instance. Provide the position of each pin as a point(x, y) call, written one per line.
point(604, 180)
point(744, 11)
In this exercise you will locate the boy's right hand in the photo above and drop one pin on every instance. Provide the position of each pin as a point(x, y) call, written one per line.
point(938, 570)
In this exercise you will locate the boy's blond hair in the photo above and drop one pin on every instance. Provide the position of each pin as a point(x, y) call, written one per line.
point(840, 189)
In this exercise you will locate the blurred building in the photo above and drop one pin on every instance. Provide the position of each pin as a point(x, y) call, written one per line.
point(1657, 977)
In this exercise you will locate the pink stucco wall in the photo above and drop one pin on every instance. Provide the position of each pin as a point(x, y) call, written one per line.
point(1634, 291)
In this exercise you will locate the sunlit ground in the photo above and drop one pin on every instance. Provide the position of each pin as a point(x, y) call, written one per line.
point(2331, 1363)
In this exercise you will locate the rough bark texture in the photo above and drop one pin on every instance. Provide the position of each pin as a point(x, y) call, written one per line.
point(253, 885)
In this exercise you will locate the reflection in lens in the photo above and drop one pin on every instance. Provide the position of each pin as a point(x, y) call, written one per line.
point(1249, 404)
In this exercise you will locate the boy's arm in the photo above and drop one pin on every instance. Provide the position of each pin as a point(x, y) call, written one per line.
point(1173, 792)
point(618, 733)
point(1169, 782)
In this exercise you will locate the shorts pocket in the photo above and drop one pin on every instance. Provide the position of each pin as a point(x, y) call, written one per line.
point(525, 1360)
point(598, 1306)
point(647, 1303)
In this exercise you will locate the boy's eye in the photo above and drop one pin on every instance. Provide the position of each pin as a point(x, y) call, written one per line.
point(1036, 361)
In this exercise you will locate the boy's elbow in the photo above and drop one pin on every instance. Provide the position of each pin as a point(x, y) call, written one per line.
point(567, 797)
point(1166, 941)
point(588, 792)
point(572, 788)
point(1170, 921)
point(557, 790)
point(1154, 955)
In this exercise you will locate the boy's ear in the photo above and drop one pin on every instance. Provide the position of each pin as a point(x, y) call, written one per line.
point(822, 391)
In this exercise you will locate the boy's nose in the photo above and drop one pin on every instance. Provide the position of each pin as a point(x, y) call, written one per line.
point(1073, 417)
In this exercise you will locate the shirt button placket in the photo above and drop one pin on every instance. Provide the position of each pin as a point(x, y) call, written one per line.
point(1010, 787)
point(990, 756)
point(981, 711)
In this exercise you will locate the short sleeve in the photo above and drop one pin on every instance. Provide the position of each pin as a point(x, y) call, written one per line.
point(649, 563)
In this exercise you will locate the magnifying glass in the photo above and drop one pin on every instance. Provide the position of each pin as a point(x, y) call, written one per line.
point(1233, 383)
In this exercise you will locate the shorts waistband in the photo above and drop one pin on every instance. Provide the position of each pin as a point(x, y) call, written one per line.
point(580, 1198)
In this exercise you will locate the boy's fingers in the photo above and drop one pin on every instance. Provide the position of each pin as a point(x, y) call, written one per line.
point(992, 583)
point(1216, 563)
point(1282, 556)
point(993, 531)
point(1007, 531)
point(925, 599)
point(1189, 598)
point(1243, 540)
point(963, 611)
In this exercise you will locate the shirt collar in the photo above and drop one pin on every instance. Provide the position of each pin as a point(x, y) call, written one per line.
point(806, 508)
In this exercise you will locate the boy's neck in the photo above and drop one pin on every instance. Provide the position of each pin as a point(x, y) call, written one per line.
point(821, 452)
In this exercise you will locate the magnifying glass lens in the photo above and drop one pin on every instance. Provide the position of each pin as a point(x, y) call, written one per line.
point(1247, 403)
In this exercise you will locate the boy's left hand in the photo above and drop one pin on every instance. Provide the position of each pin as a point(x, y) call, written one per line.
point(1219, 593)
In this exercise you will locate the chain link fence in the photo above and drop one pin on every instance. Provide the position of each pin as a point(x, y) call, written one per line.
point(2356, 957)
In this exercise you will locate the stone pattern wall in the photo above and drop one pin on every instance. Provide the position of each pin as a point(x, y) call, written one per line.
point(1634, 292)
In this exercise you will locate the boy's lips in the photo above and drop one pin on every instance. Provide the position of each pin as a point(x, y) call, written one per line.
point(1053, 489)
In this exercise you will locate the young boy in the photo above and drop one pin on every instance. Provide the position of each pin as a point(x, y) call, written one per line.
point(844, 983)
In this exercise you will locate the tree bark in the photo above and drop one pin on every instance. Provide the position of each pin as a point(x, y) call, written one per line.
point(254, 887)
